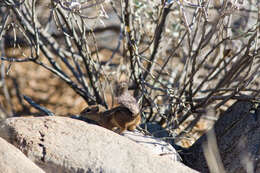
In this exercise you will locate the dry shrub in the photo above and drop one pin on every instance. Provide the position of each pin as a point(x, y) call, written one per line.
point(184, 59)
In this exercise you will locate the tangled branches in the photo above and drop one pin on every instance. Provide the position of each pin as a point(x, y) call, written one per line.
point(184, 59)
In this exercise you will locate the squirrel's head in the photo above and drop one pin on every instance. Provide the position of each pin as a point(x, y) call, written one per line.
point(94, 109)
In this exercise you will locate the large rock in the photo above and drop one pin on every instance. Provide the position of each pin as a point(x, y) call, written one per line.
point(13, 160)
point(237, 138)
point(59, 144)
point(155, 145)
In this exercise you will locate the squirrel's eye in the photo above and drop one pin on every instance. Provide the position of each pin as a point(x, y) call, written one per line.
point(87, 110)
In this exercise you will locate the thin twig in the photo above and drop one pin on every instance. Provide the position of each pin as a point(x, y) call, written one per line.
point(37, 106)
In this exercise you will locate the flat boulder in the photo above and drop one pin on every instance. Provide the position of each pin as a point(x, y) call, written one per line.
point(13, 160)
point(155, 145)
point(61, 144)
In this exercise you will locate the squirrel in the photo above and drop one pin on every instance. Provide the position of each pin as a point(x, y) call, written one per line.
point(128, 104)
point(125, 115)
point(110, 119)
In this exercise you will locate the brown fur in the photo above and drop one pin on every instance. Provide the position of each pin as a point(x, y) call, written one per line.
point(120, 117)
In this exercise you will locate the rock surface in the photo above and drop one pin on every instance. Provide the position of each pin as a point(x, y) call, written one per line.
point(60, 144)
point(237, 140)
point(13, 160)
point(155, 145)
